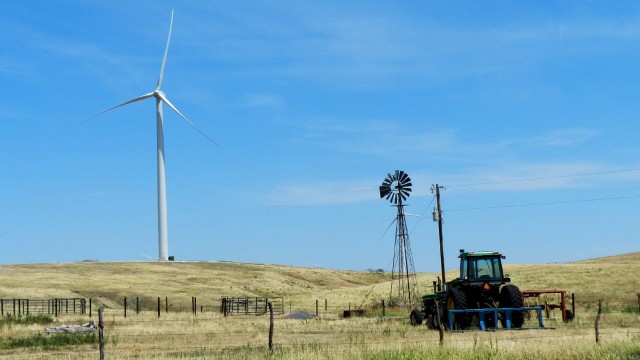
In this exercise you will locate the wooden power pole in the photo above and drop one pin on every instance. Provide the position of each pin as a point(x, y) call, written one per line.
point(438, 217)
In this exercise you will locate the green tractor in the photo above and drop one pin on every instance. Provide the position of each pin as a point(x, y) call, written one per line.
point(481, 284)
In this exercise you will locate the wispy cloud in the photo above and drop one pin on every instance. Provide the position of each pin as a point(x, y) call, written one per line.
point(501, 166)
point(321, 193)
point(563, 138)
point(261, 100)
point(370, 47)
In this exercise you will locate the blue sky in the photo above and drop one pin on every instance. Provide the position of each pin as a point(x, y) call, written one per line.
point(312, 104)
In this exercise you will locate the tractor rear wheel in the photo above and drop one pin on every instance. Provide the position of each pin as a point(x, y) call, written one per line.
point(510, 298)
point(457, 300)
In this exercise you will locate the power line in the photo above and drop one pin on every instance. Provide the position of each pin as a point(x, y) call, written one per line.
point(422, 215)
point(546, 203)
point(546, 177)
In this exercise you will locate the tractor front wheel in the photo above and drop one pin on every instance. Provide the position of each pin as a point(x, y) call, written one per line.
point(510, 298)
point(415, 317)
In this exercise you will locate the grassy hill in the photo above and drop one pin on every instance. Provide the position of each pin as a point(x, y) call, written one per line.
point(211, 335)
point(613, 279)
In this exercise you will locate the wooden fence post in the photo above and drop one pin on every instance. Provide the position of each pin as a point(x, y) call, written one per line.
point(598, 321)
point(166, 304)
point(224, 306)
point(270, 326)
point(316, 307)
point(89, 307)
point(137, 305)
point(573, 304)
point(384, 311)
point(158, 307)
point(439, 324)
point(125, 307)
point(101, 332)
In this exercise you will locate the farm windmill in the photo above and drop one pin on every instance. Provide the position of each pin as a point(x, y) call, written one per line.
point(396, 188)
point(163, 238)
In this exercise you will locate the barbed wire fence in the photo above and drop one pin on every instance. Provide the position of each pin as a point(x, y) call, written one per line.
point(196, 334)
point(187, 325)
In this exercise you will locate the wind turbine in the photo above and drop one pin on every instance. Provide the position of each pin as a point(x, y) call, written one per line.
point(163, 238)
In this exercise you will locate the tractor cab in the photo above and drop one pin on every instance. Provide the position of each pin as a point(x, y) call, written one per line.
point(481, 277)
point(481, 266)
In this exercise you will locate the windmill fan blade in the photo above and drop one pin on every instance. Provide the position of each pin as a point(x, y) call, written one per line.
point(393, 198)
point(384, 191)
point(161, 95)
point(166, 52)
point(145, 96)
point(403, 176)
point(406, 185)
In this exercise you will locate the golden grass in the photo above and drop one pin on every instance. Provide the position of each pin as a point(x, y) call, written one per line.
point(180, 335)
point(211, 335)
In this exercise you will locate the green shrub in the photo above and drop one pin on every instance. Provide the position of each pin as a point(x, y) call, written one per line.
point(49, 341)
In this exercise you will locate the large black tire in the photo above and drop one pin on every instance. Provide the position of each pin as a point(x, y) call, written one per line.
point(510, 298)
point(415, 317)
point(457, 299)
point(569, 315)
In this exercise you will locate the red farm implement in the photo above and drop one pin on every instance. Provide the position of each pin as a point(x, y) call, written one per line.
point(549, 300)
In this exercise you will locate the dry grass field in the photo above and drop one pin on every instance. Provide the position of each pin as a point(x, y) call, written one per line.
point(208, 334)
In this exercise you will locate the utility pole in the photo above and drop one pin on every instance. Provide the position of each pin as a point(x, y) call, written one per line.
point(437, 216)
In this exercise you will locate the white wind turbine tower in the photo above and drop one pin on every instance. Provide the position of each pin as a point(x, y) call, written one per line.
point(163, 238)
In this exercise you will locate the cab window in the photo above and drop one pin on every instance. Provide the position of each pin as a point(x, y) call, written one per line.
point(483, 269)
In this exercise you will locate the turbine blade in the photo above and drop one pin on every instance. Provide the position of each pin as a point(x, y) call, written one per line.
point(164, 98)
point(145, 96)
point(166, 51)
